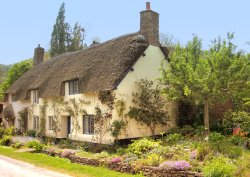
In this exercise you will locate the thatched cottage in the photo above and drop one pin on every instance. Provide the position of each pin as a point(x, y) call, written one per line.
point(66, 94)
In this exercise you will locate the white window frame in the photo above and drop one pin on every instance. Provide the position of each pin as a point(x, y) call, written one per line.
point(35, 122)
point(35, 96)
point(73, 87)
point(88, 124)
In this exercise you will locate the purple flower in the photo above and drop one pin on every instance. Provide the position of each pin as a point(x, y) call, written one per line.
point(178, 165)
point(116, 160)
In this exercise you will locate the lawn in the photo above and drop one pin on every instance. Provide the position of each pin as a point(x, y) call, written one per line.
point(60, 165)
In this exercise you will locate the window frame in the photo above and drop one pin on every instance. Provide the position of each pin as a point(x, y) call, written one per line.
point(51, 122)
point(73, 87)
point(35, 122)
point(35, 98)
point(90, 125)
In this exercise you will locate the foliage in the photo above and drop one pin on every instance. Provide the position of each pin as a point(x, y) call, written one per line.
point(173, 138)
point(31, 133)
point(3, 72)
point(42, 126)
point(149, 105)
point(219, 167)
point(16, 145)
point(14, 73)
point(116, 127)
point(106, 97)
point(234, 119)
point(5, 140)
point(201, 77)
point(215, 137)
point(142, 146)
point(243, 166)
point(178, 165)
point(62, 39)
point(23, 117)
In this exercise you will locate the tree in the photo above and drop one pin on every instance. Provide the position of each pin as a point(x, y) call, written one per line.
point(148, 105)
point(206, 77)
point(14, 73)
point(77, 38)
point(60, 34)
point(62, 38)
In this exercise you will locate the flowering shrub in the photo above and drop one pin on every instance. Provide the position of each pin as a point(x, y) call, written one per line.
point(177, 165)
point(67, 152)
point(116, 160)
point(142, 146)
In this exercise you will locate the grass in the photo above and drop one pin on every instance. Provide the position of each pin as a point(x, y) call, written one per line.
point(61, 165)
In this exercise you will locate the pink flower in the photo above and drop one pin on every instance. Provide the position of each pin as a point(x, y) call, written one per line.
point(116, 160)
point(178, 165)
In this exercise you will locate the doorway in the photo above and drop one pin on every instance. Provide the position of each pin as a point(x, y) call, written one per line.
point(68, 125)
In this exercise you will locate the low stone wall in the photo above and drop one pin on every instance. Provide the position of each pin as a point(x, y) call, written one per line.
point(127, 168)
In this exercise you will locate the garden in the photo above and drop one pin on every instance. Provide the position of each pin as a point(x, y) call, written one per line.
point(182, 151)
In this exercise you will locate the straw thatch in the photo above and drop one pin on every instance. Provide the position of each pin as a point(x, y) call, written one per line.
point(100, 67)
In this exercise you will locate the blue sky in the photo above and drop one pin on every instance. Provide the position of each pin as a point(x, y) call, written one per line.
point(25, 24)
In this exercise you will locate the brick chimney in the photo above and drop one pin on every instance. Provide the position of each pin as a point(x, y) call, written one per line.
point(38, 55)
point(149, 25)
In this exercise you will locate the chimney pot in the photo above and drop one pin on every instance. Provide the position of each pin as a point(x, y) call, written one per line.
point(148, 6)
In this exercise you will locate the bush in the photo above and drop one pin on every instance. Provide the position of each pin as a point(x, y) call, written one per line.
point(215, 137)
point(177, 165)
point(142, 146)
point(6, 140)
point(36, 145)
point(233, 119)
point(31, 133)
point(236, 140)
point(232, 151)
point(173, 138)
point(219, 167)
point(16, 145)
point(67, 152)
point(1, 132)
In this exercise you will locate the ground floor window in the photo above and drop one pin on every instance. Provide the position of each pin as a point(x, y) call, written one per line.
point(88, 124)
point(35, 122)
point(51, 123)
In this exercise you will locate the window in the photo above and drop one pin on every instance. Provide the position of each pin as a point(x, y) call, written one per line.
point(51, 123)
point(73, 87)
point(35, 97)
point(35, 122)
point(88, 124)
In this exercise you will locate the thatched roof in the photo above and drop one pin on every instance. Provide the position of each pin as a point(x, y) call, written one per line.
point(100, 67)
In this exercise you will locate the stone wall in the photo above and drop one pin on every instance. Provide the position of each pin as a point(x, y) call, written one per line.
point(127, 168)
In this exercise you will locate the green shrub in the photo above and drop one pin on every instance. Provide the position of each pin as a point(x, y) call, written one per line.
point(203, 150)
point(173, 138)
point(232, 151)
point(120, 151)
point(16, 145)
point(215, 137)
point(219, 167)
point(236, 140)
point(142, 146)
point(240, 118)
point(31, 133)
point(6, 140)
point(36, 145)
point(1, 132)
point(243, 165)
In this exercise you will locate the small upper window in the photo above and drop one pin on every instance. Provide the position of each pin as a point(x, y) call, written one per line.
point(73, 87)
point(35, 97)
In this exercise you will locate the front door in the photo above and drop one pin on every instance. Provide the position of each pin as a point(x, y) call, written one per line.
point(68, 125)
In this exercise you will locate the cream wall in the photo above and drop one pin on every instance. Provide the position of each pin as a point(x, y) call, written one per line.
point(147, 67)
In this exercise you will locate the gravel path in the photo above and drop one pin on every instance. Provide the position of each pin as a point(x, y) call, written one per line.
point(14, 168)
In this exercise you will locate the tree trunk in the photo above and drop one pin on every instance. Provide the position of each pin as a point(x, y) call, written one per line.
point(206, 115)
point(152, 127)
